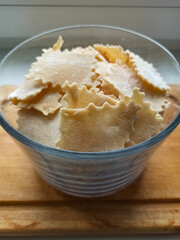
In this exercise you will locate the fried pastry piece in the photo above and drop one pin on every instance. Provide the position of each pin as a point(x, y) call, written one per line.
point(41, 128)
point(118, 77)
point(58, 44)
point(27, 90)
point(120, 80)
point(148, 122)
point(96, 129)
point(90, 50)
point(80, 97)
point(146, 71)
point(56, 67)
point(47, 102)
point(112, 53)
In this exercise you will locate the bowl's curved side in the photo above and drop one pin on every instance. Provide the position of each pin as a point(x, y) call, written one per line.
point(90, 34)
point(87, 178)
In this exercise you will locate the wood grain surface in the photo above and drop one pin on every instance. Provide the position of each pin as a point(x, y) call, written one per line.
point(28, 205)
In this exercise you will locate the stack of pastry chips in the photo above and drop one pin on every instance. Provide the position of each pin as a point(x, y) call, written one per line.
point(92, 99)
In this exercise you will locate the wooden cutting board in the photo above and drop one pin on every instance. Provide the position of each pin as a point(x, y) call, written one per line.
point(28, 205)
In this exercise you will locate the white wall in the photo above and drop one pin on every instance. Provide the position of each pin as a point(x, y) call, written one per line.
point(20, 19)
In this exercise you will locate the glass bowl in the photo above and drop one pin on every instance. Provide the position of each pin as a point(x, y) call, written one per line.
point(80, 173)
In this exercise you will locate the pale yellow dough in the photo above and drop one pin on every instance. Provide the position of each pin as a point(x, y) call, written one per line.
point(148, 122)
point(96, 129)
point(37, 126)
point(81, 97)
point(146, 71)
point(93, 99)
point(47, 103)
point(27, 90)
point(120, 80)
point(112, 53)
point(56, 67)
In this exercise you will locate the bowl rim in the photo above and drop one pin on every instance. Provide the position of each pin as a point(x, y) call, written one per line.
point(55, 152)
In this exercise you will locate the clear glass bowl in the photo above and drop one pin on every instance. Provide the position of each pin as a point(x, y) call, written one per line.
point(99, 173)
